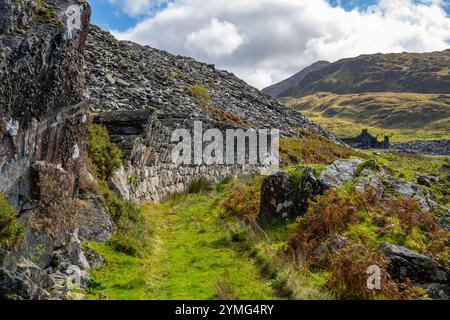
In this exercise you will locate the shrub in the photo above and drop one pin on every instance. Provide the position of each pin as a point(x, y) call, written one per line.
point(11, 231)
point(200, 94)
point(224, 116)
point(348, 279)
point(411, 216)
point(331, 213)
point(54, 212)
point(106, 156)
point(243, 200)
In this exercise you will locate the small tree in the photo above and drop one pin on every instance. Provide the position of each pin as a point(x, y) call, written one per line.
point(11, 231)
point(105, 155)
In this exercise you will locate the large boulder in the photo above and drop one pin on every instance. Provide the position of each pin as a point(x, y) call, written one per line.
point(340, 172)
point(287, 196)
point(277, 197)
point(407, 264)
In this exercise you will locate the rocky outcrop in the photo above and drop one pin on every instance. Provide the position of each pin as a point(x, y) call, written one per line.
point(142, 95)
point(43, 121)
point(340, 172)
point(407, 264)
point(286, 196)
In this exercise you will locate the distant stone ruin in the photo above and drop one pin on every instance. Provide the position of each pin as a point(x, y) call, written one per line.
point(366, 141)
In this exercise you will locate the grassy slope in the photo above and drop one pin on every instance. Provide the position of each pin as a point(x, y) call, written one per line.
point(190, 254)
point(403, 116)
point(198, 251)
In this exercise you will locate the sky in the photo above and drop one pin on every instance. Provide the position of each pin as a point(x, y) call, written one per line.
point(266, 41)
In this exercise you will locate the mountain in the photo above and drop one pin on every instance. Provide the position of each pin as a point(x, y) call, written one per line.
point(395, 72)
point(278, 89)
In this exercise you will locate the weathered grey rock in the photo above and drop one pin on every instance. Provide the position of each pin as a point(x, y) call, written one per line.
point(96, 224)
point(16, 286)
point(436, 291)
point(76, 252)
point(37, 247)
point(118, 183)
point(94, 258)
point(8, 260)
point(34, 273)
point(407, 189)
point(371, 181)
point(69, 280)
point(407, 264)
point(339, 173)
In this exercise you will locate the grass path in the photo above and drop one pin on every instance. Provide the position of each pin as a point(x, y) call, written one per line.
point(190, 258)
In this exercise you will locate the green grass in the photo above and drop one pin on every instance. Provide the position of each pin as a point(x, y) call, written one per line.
point(189, 256)
point(343, 128)
point(402, 116)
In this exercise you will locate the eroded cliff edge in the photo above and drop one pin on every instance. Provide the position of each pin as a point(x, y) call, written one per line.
point(44, 114)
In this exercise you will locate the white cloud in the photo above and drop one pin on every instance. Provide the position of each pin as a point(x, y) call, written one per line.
point(217, 39)
point(264, 41)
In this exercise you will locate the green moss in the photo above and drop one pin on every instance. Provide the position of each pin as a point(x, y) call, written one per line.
point(11, 230)
point(173, 74)
point(132, 180)
point(367, 165)
point(46, 15)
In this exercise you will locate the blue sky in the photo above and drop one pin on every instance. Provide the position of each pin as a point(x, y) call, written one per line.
point(265, 41)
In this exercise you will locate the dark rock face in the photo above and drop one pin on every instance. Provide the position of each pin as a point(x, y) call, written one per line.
point(16, 286)
point(278, 89)
point(43, 122)
point(283, 196)
point(407, 264)
point(277, 197)
point(97, 224)
point(42, 94)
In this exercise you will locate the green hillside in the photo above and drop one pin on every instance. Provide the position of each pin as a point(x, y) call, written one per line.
point(396, 72)
point(403, 116)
